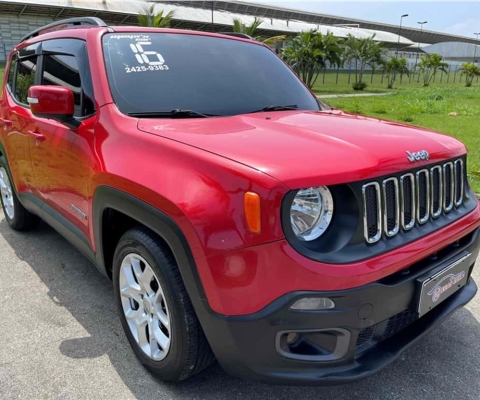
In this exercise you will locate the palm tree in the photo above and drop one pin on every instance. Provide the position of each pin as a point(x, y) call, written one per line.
point(470, 70)
point(396, 66)
point(148, 17)
point(429, 65)
point(251, 30)
point(364, 52)
point(310, 52)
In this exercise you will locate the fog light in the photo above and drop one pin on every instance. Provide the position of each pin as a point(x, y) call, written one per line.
point(292, 338)
point(313, 303)
point(313, 345)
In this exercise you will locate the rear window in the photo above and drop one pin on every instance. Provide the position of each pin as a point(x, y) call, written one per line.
point(162, 72)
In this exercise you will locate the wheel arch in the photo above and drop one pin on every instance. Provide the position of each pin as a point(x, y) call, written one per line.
point(139, 212)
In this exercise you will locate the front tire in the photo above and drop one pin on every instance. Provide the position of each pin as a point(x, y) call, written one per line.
point(155, 309)
point(16, 215)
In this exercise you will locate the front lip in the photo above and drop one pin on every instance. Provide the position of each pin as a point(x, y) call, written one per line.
point(371, 362)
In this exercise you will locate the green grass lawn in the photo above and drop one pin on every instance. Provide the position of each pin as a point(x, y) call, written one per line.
point(341, 83)
point(429, 108)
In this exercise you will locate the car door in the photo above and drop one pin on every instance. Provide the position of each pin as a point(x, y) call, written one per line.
point(16, 120)
point(61, 155)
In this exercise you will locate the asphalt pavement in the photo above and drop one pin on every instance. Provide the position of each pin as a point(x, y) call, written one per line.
point(61, 338)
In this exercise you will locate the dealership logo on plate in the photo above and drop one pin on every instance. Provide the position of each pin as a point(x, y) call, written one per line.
point(445, 284)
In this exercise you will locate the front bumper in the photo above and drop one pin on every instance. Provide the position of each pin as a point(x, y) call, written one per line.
point(373, 324)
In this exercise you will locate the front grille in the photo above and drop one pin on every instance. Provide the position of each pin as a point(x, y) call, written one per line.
point(365, 336)
point(399, 322)
point(372, 335)
point(413, 199)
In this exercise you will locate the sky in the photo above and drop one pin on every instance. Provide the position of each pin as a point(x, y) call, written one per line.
point(456, 17)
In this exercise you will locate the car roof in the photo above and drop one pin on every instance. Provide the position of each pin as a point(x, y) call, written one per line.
point(80, 32)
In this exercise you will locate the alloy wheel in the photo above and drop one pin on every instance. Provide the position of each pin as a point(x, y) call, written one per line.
point(145, 307)
point(6, 192)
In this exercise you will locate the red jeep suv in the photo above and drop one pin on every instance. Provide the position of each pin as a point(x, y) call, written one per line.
point(238, 217)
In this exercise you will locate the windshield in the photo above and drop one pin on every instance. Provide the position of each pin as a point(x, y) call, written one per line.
point(160, 72)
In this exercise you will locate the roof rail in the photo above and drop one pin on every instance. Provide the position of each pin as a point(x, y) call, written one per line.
point(236, 34)
point(92, 21)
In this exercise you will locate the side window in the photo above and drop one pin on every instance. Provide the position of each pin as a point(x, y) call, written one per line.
point(24, 78)
point(62, 70)
point(11, 72)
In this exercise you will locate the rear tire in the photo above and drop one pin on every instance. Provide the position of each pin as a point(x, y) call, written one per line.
point(155, 309)
point(16, 215)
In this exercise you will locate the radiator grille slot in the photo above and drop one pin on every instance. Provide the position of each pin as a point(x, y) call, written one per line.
point(437, 191)
point(392, 207)
point(459, 179)
point(372, 212)
point(408, 201)
point(423, 196)
point(449, 186)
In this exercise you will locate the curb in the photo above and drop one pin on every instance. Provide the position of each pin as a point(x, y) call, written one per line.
point(339, 96)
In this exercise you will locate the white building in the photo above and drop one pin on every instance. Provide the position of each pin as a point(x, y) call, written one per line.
point(17, 18)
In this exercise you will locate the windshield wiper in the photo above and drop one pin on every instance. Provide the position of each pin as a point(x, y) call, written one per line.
point(275, 108)
point(178, 113)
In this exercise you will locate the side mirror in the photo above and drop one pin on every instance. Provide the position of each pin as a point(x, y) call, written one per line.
point(53, 102)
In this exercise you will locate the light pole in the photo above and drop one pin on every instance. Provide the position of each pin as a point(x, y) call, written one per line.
point(475, 51)
point(399, 33)
point(421, 30)
point(418, 50)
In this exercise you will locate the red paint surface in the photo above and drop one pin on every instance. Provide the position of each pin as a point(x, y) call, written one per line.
point(198, 170)
point(51, 100)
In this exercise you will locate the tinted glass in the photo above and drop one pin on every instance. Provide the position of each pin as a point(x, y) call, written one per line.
point(162, 72)
point(63, 70)
point(25, 78)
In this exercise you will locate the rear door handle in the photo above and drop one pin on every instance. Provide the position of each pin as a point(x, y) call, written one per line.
point(6, 122)
point(37, 136)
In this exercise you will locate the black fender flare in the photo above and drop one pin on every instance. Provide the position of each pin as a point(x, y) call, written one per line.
point(106, 197)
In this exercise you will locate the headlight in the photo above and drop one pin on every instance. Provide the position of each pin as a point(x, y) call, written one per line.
point(311, 213)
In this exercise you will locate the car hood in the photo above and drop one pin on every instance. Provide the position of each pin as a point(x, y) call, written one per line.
point(309, 148)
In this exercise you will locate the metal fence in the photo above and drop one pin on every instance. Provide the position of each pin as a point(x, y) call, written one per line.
point(346, 75)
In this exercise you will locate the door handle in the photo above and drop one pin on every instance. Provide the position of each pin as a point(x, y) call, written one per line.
point(6, 122)
point(37, 136)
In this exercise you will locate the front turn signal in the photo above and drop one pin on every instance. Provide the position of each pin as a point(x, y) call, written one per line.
point(252, 211)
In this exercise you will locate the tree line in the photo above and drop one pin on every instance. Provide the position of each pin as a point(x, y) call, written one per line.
point(310, 52)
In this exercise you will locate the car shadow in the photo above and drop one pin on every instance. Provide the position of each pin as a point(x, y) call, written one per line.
point(442, 364)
